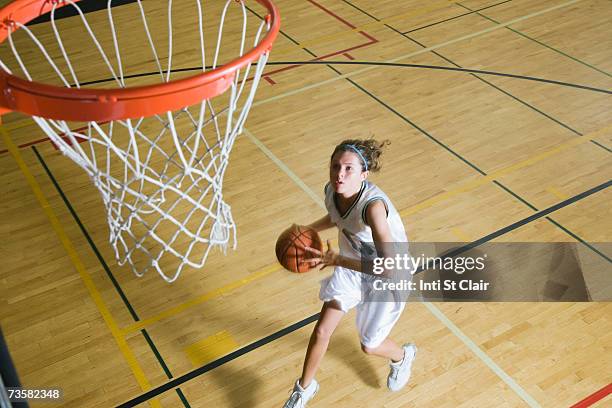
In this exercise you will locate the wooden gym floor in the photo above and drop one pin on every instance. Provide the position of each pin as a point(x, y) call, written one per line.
point(471, 155)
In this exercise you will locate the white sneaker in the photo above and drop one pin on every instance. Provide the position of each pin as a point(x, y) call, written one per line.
point(400, 371)
point(300, 396)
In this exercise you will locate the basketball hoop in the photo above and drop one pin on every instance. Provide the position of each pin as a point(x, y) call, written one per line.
point(156, 152)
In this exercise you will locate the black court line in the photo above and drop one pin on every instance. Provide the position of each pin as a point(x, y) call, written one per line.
point(456, 17)
point(566, 230)
point(310, 319)
point(452, 151)
point(109, 273)
point(533, 217)
point(382, 64)
point(438, 141)
point(519, 100)
point(417, 127)
point(474, 166)
point(602, 146)
point(473, 72)
point(443, 68)
point(214, 364)
point(538, 42)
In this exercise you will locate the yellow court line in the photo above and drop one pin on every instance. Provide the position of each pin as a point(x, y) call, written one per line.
point(211, 348)
point(408, 211)
point(557, 193)
point(502, 172)
point(78, 264)
point(459, 233)
point(200, 299)
point(18, 124)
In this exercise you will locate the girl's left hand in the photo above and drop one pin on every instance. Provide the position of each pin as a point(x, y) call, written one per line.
point(323, 259)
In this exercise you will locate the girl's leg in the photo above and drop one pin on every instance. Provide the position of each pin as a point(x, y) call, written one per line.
point(319, 340)
point(388, 349)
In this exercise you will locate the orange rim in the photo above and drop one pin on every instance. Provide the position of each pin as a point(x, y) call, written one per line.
point(53, 102)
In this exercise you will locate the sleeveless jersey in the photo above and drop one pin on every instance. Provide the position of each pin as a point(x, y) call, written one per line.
point(354, 234)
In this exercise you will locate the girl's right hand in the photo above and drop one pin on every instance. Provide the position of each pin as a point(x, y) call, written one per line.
point(322, 259)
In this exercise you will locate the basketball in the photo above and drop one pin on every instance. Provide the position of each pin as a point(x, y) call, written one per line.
point(290, 245)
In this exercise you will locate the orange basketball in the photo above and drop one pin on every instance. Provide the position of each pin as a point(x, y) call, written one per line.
point(290, 245)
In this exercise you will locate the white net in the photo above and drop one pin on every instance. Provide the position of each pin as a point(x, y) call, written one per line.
point(160, 177)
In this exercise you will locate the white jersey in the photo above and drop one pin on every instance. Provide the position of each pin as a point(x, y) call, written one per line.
point(374, 319)
point(355, 235)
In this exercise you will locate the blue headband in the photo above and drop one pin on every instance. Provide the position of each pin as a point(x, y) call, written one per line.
point(356, 150)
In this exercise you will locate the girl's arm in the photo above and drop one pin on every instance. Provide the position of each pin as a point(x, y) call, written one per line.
point(322, 224)
point(376, 216)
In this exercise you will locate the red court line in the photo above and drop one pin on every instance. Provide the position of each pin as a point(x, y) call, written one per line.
point(46, 139)
point(337, 17)
point(369, 37)
point(341, 52)
point(593, 398)
point(320, 58)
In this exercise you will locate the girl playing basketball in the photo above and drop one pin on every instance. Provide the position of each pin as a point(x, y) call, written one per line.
point(363, 214)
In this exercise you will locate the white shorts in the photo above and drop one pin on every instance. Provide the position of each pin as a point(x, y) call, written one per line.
point(374, 319)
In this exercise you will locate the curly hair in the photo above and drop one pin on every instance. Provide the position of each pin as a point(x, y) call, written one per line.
point(369, 150)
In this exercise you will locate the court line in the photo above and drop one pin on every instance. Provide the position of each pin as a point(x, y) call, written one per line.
point(25, 122)
point(214, 364)
point(414, 53)
point(524, 221)
point(295, 326)
point(106, 268)
point(595, 397)
point(451, 18)
point(482, 355)
point(336, 36)
point(95, 295)
point(471, 185)
point(457, 68)
point(371, 40)
point(294, 177)
point(408, 211)
point(21, 123)
point(436, 312)
point(538, 42)
point(201, 299)
point(85, 233)
point(550, 117)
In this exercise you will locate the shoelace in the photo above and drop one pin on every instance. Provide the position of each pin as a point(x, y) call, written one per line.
point(394, 372)
point(295, 397)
